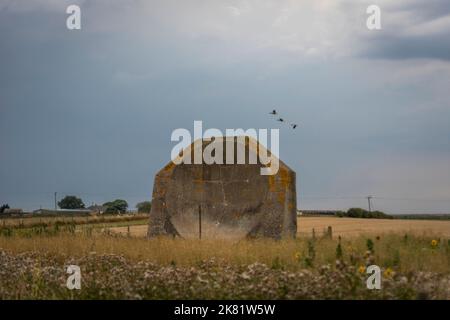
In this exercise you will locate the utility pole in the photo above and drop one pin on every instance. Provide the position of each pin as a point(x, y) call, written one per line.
point(56, 208)
point(368, 200)
point(200, 222)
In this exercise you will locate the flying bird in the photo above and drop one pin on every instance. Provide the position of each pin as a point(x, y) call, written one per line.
point(274, 112)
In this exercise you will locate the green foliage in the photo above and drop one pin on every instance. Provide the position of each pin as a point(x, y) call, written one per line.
point(356, 212)
point(423, 216)
point(144, 207)
point(117, 206)
point(42, 273)
point(370, 245)
point(276, 264)
point(396, 258)
point(3, 208)
point(5, 232)
point(71, 202)
point(361, 213)
point(339, 252)
point(309, 258)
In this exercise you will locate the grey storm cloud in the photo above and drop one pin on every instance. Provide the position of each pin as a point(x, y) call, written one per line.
point(409, 47)
point(91, 112)
point(411, 30)
point(431, 9)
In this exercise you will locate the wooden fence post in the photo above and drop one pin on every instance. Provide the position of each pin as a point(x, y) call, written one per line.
point(200, 222)
point(330, 232)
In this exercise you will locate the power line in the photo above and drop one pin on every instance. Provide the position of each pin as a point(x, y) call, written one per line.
point(332, 197)
point(373, 197)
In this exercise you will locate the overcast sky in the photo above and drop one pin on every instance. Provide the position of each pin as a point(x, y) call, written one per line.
point(90, 112)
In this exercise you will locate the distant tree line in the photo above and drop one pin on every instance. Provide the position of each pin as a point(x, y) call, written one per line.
point(362, 213)
point(144, 207)
point(442, 216)
point(4, 207)
point(71, 202)
point(117, 206)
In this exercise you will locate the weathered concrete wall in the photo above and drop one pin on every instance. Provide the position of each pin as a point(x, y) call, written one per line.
point(236, 201)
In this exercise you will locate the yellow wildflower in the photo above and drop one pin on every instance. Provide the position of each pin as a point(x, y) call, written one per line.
point(434, 243)
point(388, 272)
point(362, 269)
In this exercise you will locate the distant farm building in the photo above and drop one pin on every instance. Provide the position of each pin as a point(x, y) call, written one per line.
point(12, 211)
point(97, 209)
point(61, 212)
point(318, 212)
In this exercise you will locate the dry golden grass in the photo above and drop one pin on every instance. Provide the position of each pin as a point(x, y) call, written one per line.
point(193, 269)
point(345, 227)
point(404, 246)
point(412, 254)
point(351, 227)
point(91, 219)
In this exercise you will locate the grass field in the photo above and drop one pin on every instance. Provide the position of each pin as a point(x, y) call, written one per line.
point(344, 227)
point(414, 257)
point(92, 219)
